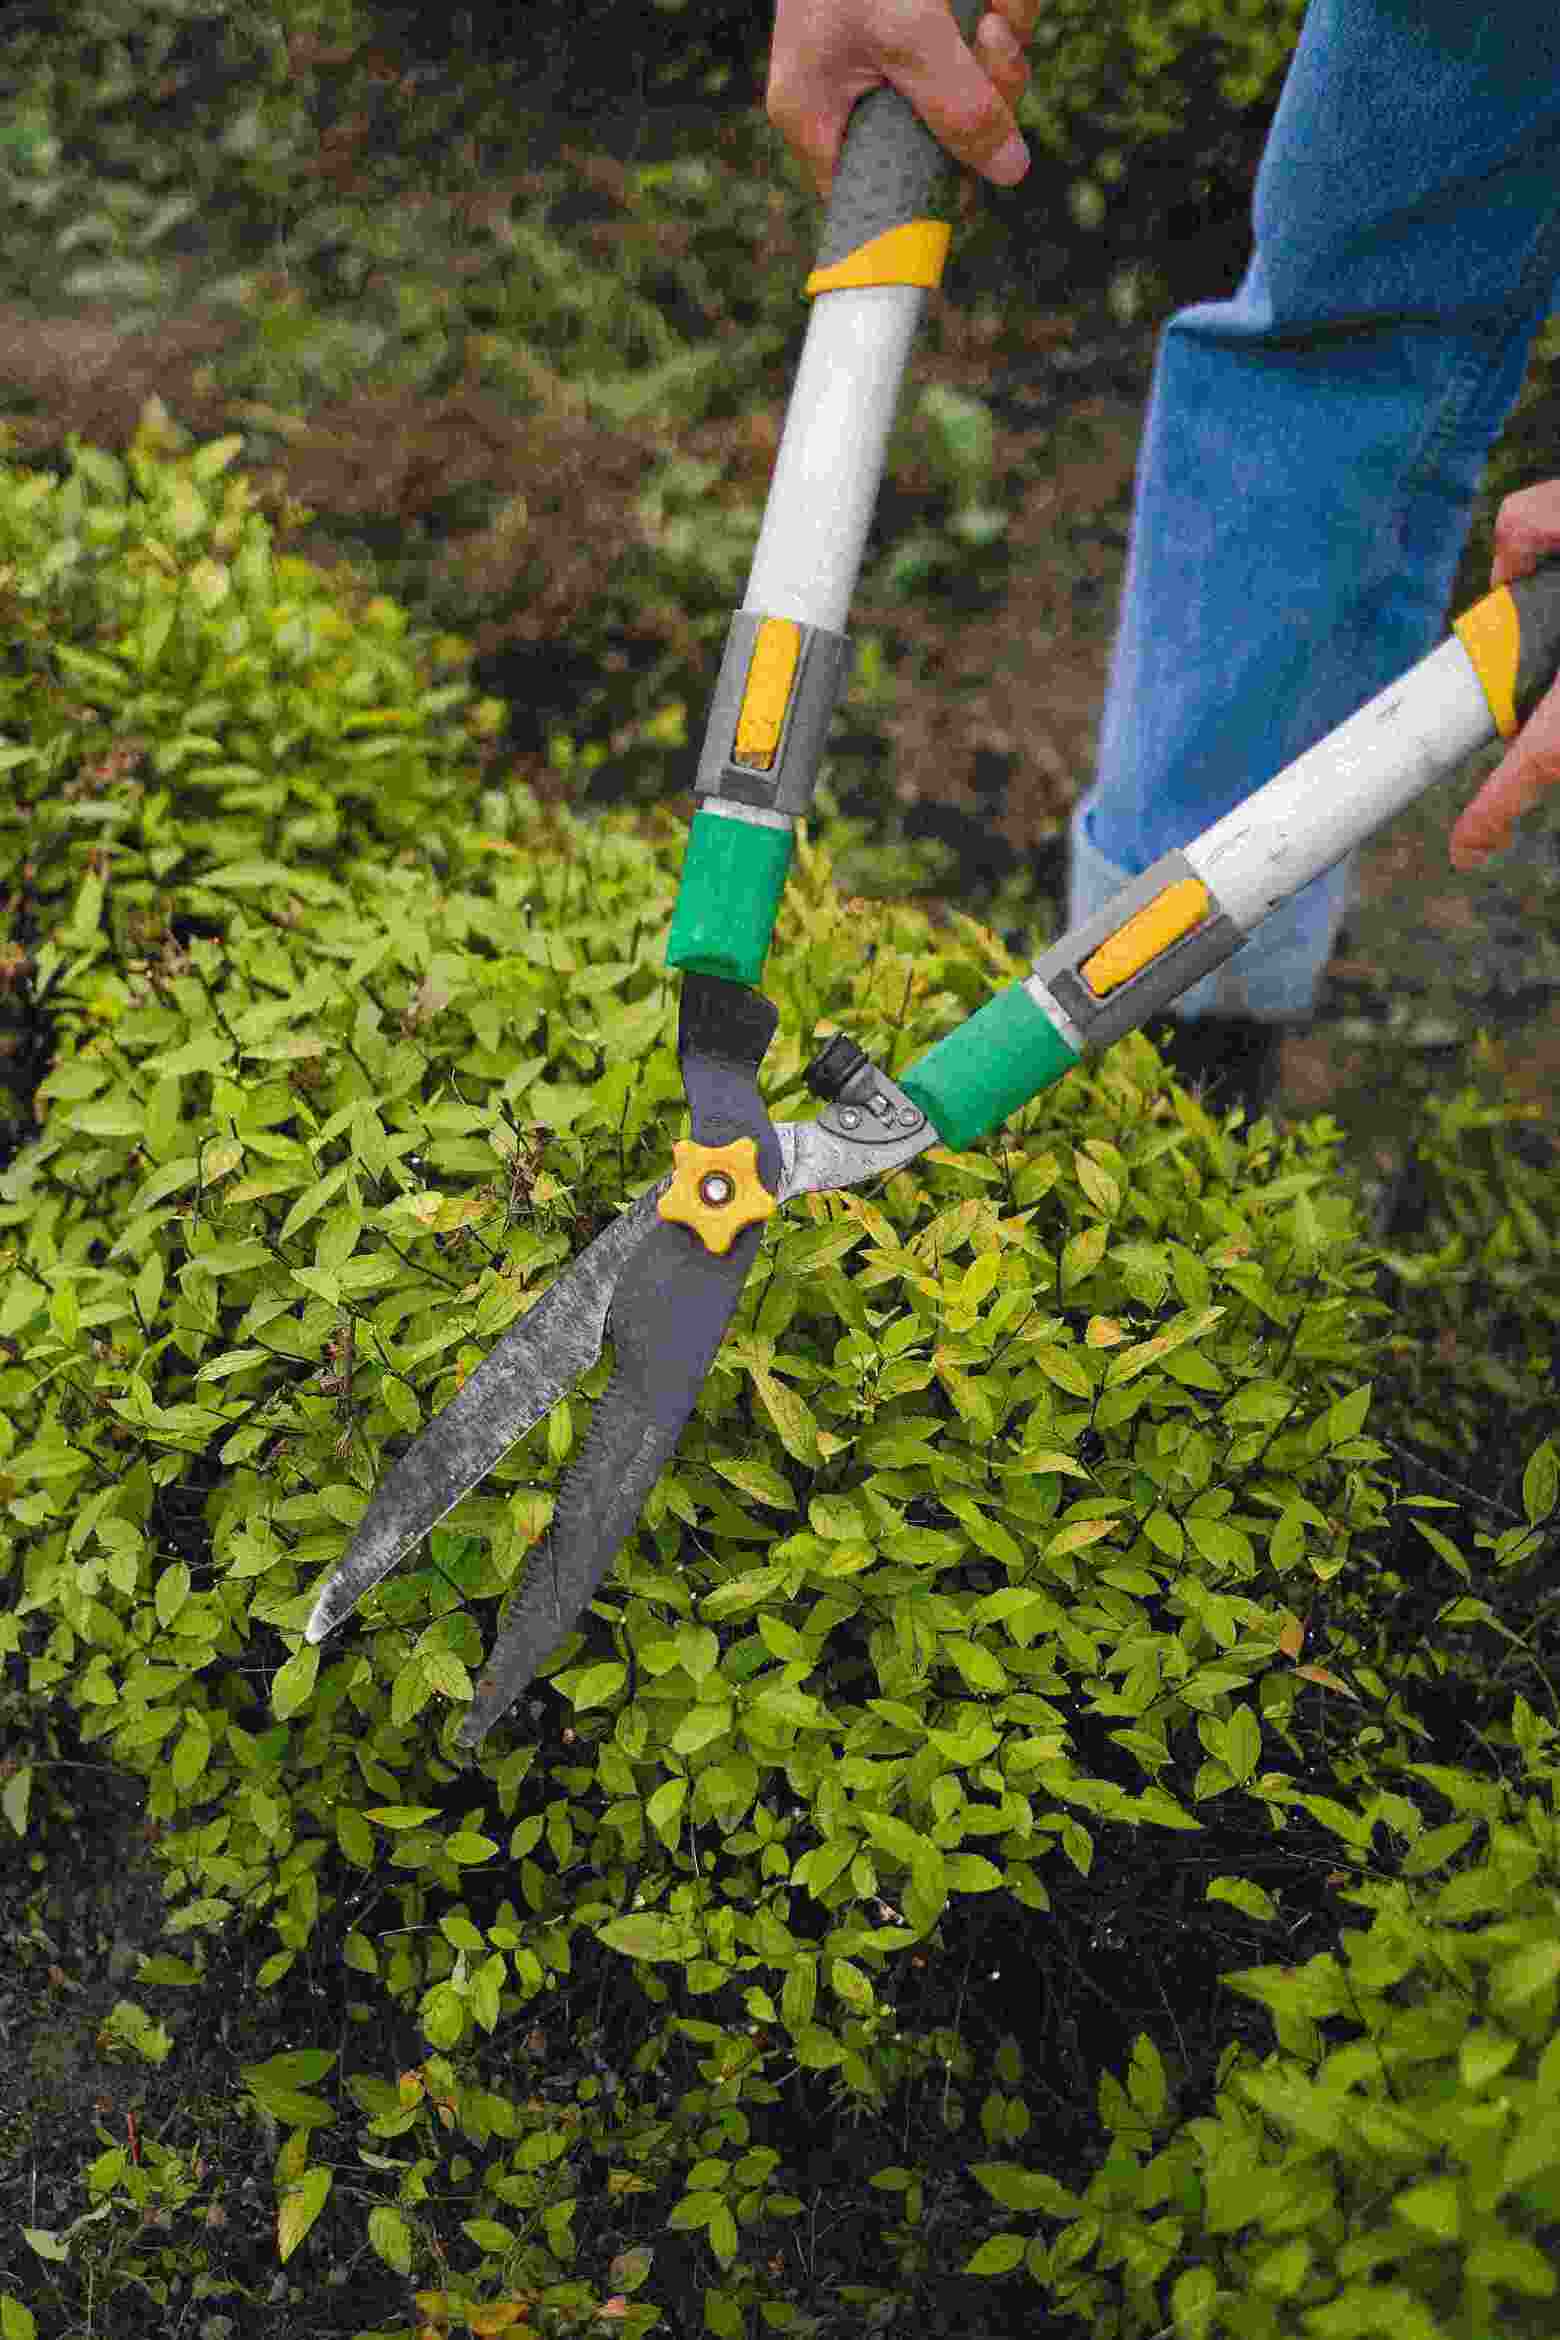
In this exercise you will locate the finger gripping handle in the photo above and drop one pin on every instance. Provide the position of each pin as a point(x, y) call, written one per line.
point(889, 166)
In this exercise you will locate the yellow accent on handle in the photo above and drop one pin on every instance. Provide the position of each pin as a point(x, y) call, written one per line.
point(1491, 633)
point(767, 691)
point(1147, 932)
point(912, 254)
point(716, 1191)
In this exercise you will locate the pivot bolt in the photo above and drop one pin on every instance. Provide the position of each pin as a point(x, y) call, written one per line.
point(716, 1191)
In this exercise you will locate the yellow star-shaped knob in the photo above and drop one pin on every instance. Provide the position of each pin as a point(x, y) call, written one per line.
point(716, 1191)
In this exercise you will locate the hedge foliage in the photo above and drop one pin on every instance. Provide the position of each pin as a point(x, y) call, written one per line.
point(995, 1531)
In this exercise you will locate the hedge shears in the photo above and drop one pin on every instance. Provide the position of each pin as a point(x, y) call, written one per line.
point(664, 1279)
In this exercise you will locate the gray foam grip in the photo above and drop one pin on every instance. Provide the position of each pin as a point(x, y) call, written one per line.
point(889, 164)
point(1537, 597)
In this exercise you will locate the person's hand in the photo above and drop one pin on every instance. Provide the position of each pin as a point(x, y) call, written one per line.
point(1527, 526)
point(828, 53)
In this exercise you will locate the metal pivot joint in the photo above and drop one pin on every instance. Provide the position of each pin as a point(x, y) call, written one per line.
point(868, 1127)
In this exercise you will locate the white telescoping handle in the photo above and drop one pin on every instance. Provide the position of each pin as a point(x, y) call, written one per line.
point(787, 655)
point(1193, 909)
point(1345, 788)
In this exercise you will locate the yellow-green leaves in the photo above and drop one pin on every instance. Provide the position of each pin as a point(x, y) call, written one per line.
point(280, 2086)
point(391, 2237)
point(1241, 1894)
point(300, 2206)
point(294, 1681)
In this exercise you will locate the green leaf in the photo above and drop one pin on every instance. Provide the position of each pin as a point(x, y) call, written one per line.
point(171, 1973)
point(1101, 1189)
point(14, 1797)
point(354, 1836)
point(1346, 1417)
point(1446, 1548)
point(664, 1807)
point(850, 1984)
point(1521, 1978)
point(293, 2068)
point(1243, 1895)
point(1286, 1544)
point(981, 1669)
point(1541, 1483)
point(693, 2209)
point(1165, 1534)
point(391, 2237)
point(644, 1935)
point(1065, 1368)
point(173, 1590)
point(1153, 1803)
point(1436, 1847)
point(698, 1650)
point(16, 2321)
point(299, 2208)
point(817, 2050)
point(800, 1995)
point(793, 1419)
point(1243, 1742)
point(1483, 2056)
point(442, 2015)
point(402, 1815)
point(1193, 1369)
point(780, 1639)
point(1217, 1541)
point(723, 2316)
point(759, 1479)
point(698, 1727)
point(998, 2255)
point(596, 1685)
point(489, 2234)
point(978, 1281)
point(192, 1753)
point(972, 1873)
point(1514, 2262)
point(468, 1849)
point(1146, 2080)
point(1081, 1255)
point(1017, 2188)
point(1434, 2207)
point(295, 1681)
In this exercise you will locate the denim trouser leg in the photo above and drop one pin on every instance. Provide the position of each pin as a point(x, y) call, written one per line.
point(1313, 446)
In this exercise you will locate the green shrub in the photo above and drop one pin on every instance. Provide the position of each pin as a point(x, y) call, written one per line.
point(1476, 1295)
point(1393, 2166)
point(993, 1539)
point(180, 695)
point(989, 1524)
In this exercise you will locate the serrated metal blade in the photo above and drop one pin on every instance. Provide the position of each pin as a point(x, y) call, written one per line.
point(673, 1303)
point(536, 1362)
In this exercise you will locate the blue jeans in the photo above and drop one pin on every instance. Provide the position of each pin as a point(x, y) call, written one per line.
point(1313, 446)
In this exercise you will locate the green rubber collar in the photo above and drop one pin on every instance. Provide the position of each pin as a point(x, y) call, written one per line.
point(1007, 1053)
point(733, 877)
